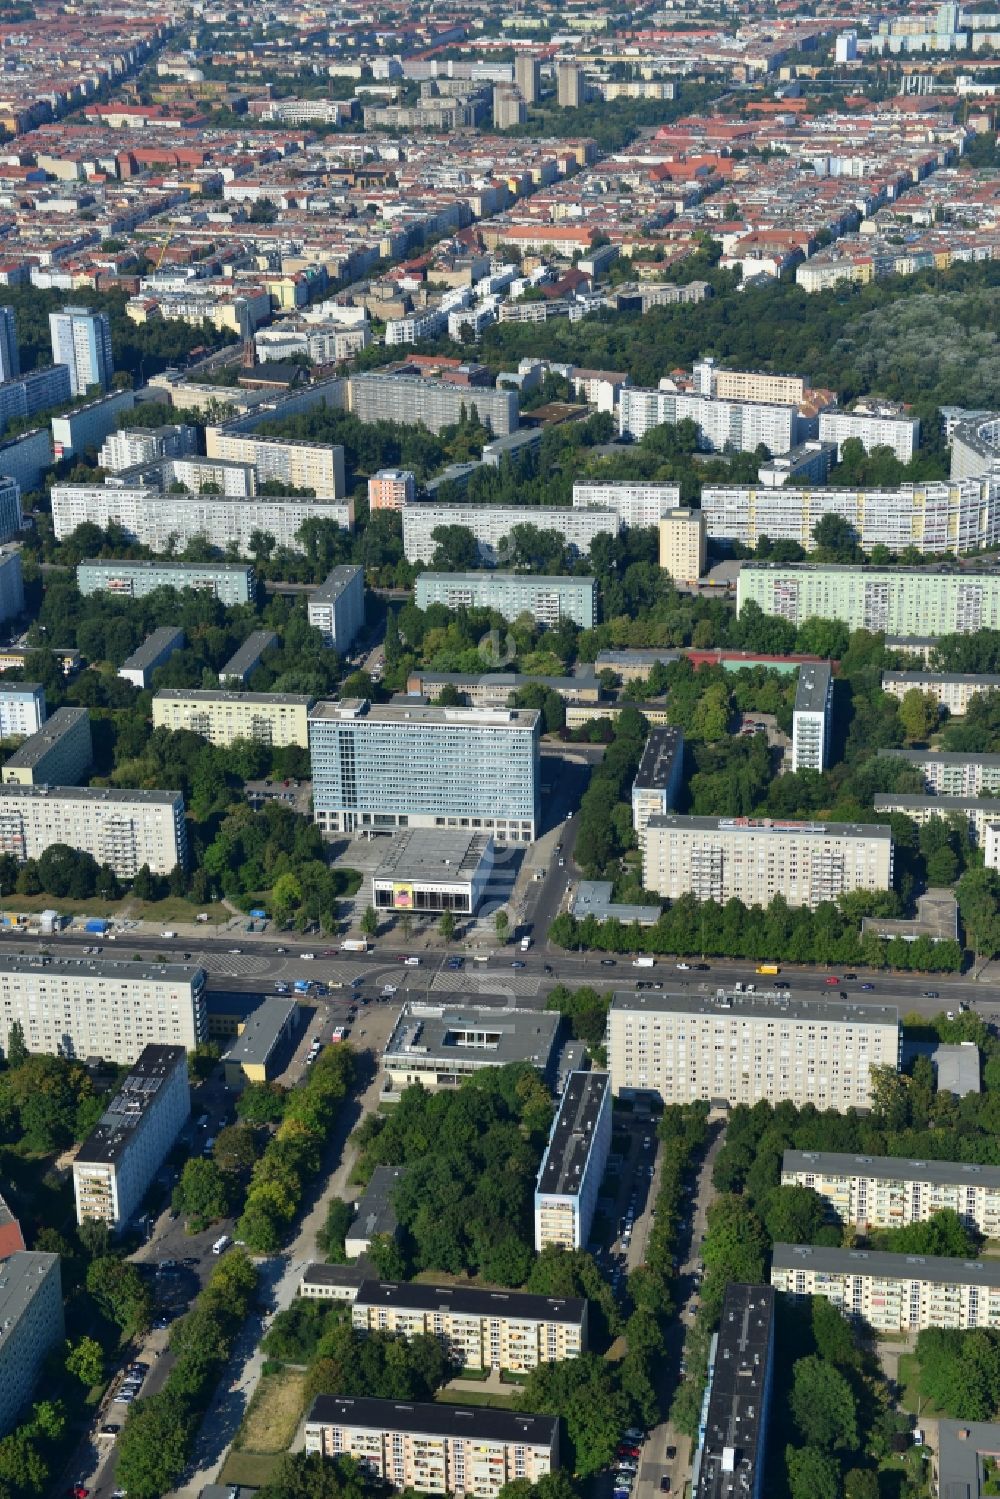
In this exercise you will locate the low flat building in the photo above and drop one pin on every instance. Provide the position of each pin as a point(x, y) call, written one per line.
point(123, 829)
point(375, 1215)
point(812, 717)
point(275, 718)
point(60, 754)
point(729, 1462)
point(569, 1178)
point(155, 651)
point(480, 1329)
point(594, 898)
point(31, 1327)
point(440, 1046)
point(633, 665)
point(337, 607)
point(264, 1042)
point(229, 582)
point(438, 1449)
point(495, 689)
point(877, 1192)
point(321, 1282)
point(434, 870)
point(658, 779)
point(963, 1449)
point(243, 663)
point(892, 1292)
point(118, 1160)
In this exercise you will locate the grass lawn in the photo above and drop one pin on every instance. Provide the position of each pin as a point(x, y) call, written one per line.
point(909, 1381)
point(474, 1397)
point(173, 908)
point(253, 1469)
point(272, 1419)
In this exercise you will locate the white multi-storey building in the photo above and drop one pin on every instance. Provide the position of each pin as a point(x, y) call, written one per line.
point(947, 773)
point(637, 503)
point(337, 607)
point(812, 717)
point(164, 521)
point(745, 1047)
point(896, 601)
point(140, 445)
point(31, 1326)
point(115, 1165)
point(874, 427)
point(22, 709)
point(81, 340)
point(892, 1292)
point(123, 829)
point(275, 718)
point(491, 525)
point(953, 690)
point(739, 425)
point(569, 1178)
point(877, 1192)
point(318, 466)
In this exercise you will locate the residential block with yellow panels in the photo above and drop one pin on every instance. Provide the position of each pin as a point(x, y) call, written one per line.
point(886, 1192)
point(479, 1329)
point(892, 1292)
point(438, 1449)
point(275, 718)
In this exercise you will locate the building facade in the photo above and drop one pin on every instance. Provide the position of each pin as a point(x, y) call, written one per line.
point(11, 584)
point(683, 544)
point(492, 524)
point(22, 709)
point(391, 489)
point(743, 1048)
point(949, 774)
point(896, 601)
point(638, 504)
point(275, 718)
point(439, 1047)
point(384, 765)
point(892, 1292)
point(409, 399)
point(229, 582)
point(155, 651)
point(38, 391)
point(740, 426)
point(434, 871)
point(337, 607)
point(318, 466)
point(81, 340)
point(978, 812)
point(60, 754)
point(877, 1192)
point(873, 429)
point(123, 829)
point(10, 362)
point(569, 1178)
point(140, 445)
point(31, 1327)
point(247, 658)
point(953, 690)
point(23, 459)
point(510, 594)
point(115, 1165)
point(812, 717)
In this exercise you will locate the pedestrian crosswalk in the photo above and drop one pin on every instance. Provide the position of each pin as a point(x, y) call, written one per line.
point(517, 985)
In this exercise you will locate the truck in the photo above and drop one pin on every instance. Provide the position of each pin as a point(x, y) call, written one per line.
point(525, 943)
point(643, 962)
point(768, 968)
point(168, 935)
point(354, 944)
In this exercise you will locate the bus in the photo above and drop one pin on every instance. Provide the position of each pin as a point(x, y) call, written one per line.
point(768, 968)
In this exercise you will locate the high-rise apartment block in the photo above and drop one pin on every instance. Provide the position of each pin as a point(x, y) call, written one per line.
point(275, 718)
point(115, 1165)
point(39, 390)
point(31, 1327)
point(738, 425)
point(569, 1178)
point(409, 399)
point(683, 547)
point(528, 77)
point(95, 1007)
point(745, 1047)
point(391, 489)
point(491, 525)
point(387, 765)
point(812, 717)
point(570, 87)
point(509, 108)
point(658, 779)
point(729, 1462)
point(81, 340)
point(11, 584)
point(337, 607)
point(637, 503)
point(229, 582)
point(123, 829)
point(318, 466)
point(510, 594)
point(892, 1292)
point(133, 446)
point(874, 428)
point(22, 709)
point(897, 601)
point(24, 459)
point(876, 1192)
point(753, 860)
point(10, 362)
point(10, 508)
point(59, 754)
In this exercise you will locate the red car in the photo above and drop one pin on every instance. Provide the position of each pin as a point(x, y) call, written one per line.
point(831, 978)
point(79, 1492)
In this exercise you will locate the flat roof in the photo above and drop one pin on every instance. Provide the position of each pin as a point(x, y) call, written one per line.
point(63, 721)
point(943, 570)
point(375, 1211)
point(658, 756)
point(940, 757)
point(961, 678)
point(501, 579)
point(117, 970)
point(778, 1006)
point(167, 637)
point(142, 565)
point(593, 898)
point(334, 584)
point(434, 854)
point(480, 1036)
point(572, 1135)
point(582, 681)
point(480, 1423)
point(341, 709)
point(732, 1451)
point(472, 1301)
point(813, 688)
point(638, 656)
point(220, 695)
point(115, 1130)
point(249, 653)
point(263, 1029)
point(887, 800)
point(962, 1445)
point(111, 794)
point(772, 827)
point(891, 1168)
point(886, 1266)
point(21, 1274)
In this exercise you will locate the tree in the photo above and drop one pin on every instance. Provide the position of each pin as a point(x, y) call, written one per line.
point(121, 1293)
point(202, 1194)
point(235, 1148)
point(369, 922)
point(811, 1474)
point(387, 1257)
point(960, 1371)
point(583, 1391)
point(502, 924)
point(823, 1405)
point(330, 1238)
point(861, 1483)
point(446, 926)
point(17, 1048)
point(153, 1447)
point(85, 1361)
point(919, 713)
point(943, 1234)
point(262, 1103)
point(794, 1215)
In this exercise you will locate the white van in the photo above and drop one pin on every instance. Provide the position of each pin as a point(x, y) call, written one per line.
point(221, 1243)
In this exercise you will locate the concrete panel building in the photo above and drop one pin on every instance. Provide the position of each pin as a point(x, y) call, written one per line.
point(123, 829)
point(337, 607)
point(637, 503)
point(139, 445)
point(683, 545)
point(87, 426)
point(722, 858)
point(391, 489)
point(383, 766)
point(729, 1461)
point(115, 1165)
point(892, 1292)
point(510, 594)
point(440, 1046)
point(375, 1214)
point(876, 1192)
point(744, 1047)
point(155, 651)
point(31, 1327)
point(492, 524)
point(741, 426)
point(242, 664)
point(812, 717)
point(22, 709)
point(264, 1042)
point(38, 391)
point(897, 601)
point(96, 1007)
point(318, 466)
point(658, 779)
point(438, 1449)
point(948, 774)
point(81, 340)
point(952, 690)
point(978, 812)
point(11, 584)
point(494, 689)
point(60, 754)
point(479, 1329)
point(434, 870)
point(275, 718)
point(409, 399)
point(229, 582)
point(569, 1178)
point(873, 428)
point(23, 461)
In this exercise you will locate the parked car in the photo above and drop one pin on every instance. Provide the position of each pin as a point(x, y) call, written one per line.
point(665, 1484)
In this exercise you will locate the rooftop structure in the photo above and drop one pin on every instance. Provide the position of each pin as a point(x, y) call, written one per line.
point(439, 1045)
point(729, 1462)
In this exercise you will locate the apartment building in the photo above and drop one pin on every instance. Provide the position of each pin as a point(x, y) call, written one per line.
point(230, 582)
point(812, 717)
point(877, 1192)
point(528, 76)
point(978, 812)
point(164, 521)
point(745, 1047)
point(87, 425)
point(391, 489)
point(440, 1046)
point(81, 340)
point(549, 599)
point(637, 503)
point(59, 754)
point(10, 504)
point(31, 1327)
point(337, 607)
point(873, 428)
point(683, 544)
point(658, 779)
point(25, 459)
point(318, 466)
point(739, 426)
point(116, 1164)
point(747, 385)
point(123, 829)
point(247, 658)
point(38, 391)
point(569, 1178)
point(89, 1007)
point(492, 524)
point(10, 363)
point(408, 399)
point(480, 1329)
point(892, 1292)
point(897, 601)
point(953, 690)
point(155, 651)
point(275, 718)
point(936, 516)
point(571, 88)
point(381, 766)
point(436, 1449)
point(132, 446)
point(11, 584)
point(729, 1461)
point(947, 774)
point(753, 860)
point(22, 709)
